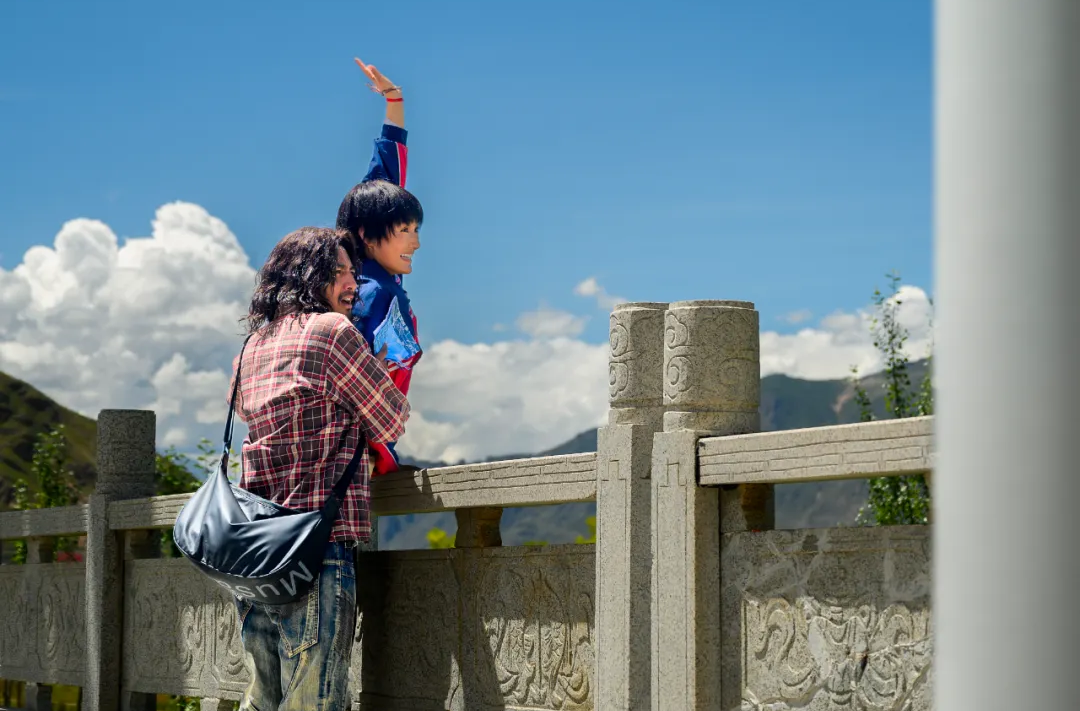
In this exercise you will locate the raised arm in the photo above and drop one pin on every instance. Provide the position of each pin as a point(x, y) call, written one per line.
point(390, 158)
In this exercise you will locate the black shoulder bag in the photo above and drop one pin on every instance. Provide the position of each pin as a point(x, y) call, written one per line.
point(252, 547)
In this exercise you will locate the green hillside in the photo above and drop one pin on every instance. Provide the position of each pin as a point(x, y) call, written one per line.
point(24, 413)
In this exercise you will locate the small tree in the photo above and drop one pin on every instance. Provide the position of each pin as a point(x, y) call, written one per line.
point(895, 500)
point(173, 473)
point(51, 468)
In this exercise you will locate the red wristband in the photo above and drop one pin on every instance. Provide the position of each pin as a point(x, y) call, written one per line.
point(394, 101)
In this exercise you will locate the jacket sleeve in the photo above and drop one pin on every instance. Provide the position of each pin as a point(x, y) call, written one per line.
point(372, 303)
point(390, 158)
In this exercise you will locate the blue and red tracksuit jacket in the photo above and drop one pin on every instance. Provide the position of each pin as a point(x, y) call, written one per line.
point(376, 289)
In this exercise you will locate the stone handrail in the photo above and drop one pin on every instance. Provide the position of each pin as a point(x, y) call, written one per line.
point(60, 521)
point(859, 451)
point(513, 482)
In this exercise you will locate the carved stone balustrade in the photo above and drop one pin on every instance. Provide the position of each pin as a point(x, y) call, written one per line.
point(688, 600)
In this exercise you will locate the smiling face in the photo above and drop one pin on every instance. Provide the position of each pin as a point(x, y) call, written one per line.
point(395, 253)
point(341, 292)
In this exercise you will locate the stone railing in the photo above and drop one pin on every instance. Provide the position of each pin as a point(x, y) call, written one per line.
point(688, 600)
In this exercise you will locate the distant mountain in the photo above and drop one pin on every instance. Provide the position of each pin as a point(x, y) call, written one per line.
point(25, 412)
point(786, 403)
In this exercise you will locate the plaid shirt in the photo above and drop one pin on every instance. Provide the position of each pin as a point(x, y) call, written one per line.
point(305, 392)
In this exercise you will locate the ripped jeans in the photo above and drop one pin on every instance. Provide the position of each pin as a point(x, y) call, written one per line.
point(298, 654)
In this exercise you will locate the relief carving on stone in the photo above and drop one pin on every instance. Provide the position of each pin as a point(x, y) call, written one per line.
point(718, 368)
point(17, 622)
point(181, 633)
point(408, 629)
point(618, 367)
point(227, 668)
point(827, 620)
point(537, 619)
point(835, 658)
point(42, 629)
point(165, 636)
point(636, 355)
point(63, 614)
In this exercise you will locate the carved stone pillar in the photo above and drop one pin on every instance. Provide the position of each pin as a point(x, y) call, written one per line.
point(623, 503)
point(711, 387)
point(125, 468)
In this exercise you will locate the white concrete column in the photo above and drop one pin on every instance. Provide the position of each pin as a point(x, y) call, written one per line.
point(1008, 350)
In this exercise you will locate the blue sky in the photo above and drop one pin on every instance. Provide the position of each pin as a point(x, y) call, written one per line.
point(778, 152)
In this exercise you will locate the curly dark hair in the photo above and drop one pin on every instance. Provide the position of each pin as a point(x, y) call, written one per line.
point(296, 274)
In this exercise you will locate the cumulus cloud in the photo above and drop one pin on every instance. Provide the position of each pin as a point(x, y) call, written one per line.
point(153, 323)
point(842, 340)
point(512, 397)
point(550, 323)
point(590, 288)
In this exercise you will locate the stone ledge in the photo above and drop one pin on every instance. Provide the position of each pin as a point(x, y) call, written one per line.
point(859, 451)
point(59, 521)
point(514, 482)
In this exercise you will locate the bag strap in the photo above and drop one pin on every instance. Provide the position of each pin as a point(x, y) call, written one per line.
point(343, 484)
point(232, 399)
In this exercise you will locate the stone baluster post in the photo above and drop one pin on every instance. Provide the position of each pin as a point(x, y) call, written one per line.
point(125, 470)
point(623, 503)
point(711, 387)
point(478, 527)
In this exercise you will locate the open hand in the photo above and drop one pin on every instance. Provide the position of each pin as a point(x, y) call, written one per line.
point(376, 81)
point(381, 357)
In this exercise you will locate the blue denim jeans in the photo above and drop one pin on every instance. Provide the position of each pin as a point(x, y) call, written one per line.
point(298, 654)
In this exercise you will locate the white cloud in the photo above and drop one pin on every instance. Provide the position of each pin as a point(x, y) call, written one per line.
point(550, 323)
point(797, 317)
point(153, 323)
point(481, 399)
point(590, 288)
point(842, 340)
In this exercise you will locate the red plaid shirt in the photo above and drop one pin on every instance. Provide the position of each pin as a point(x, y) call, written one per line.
point(306, 391)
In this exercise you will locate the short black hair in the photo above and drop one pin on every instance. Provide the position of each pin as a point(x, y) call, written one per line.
point(374, 208)
point(296, 274)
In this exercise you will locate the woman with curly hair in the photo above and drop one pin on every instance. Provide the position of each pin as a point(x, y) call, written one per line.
point(310, 392)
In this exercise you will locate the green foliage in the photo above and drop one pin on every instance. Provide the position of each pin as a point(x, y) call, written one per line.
point(176, 472)
point(51, 469)
point(894, 500)
point(173, 473)
point(591, 523)
point(22, 502)
point(439, 539)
